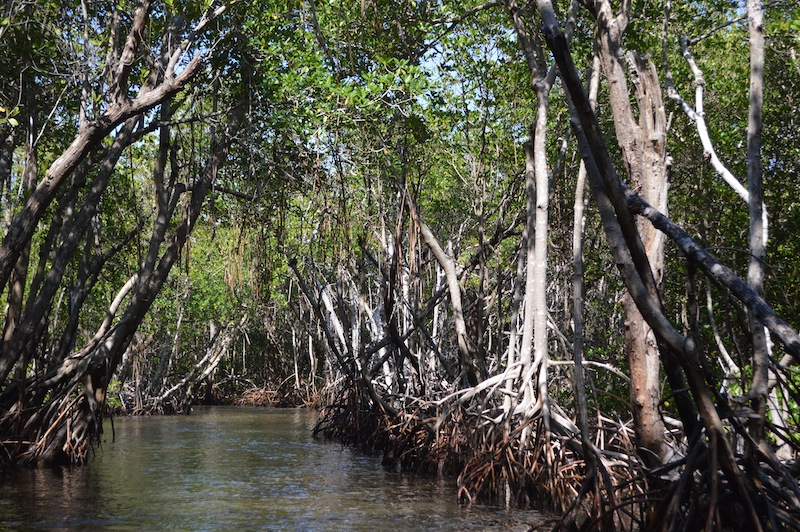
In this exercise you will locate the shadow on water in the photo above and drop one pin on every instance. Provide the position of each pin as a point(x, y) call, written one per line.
point(237, 468)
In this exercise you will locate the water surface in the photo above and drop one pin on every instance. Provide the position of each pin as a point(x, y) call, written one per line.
point(225, 468)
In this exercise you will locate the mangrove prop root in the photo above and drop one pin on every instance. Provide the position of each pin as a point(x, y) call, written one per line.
point(610, 490)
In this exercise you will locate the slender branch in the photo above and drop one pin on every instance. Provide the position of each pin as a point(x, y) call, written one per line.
point(128, 53)
point(453, 23)
point(712, 31)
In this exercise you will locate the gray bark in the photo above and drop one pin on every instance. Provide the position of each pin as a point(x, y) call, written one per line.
point(578, 225)
point(756, 240)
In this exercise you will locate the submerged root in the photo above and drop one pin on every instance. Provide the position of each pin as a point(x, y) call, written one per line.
point(349, 418)
point(491, 462)
point(63, 431)
point(278, 396)
point(256, 397)
point(518, 464)
point(706, 496)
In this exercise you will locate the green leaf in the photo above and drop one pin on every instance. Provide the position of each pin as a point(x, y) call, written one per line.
point(13, 122)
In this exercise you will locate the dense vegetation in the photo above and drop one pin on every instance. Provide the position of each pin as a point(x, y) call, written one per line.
point(523, 246)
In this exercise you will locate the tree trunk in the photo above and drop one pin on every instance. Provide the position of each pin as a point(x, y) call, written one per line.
point(448, 265)
point(643, 146)
point(19, 275)
point(533, 353)
point(34, 319)
point(578, 283)
point(757, 239)
point(92, 133)
point(63, 429)
point(606, 186)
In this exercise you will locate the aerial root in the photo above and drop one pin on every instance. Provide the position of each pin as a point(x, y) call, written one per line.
point(601, 485)
point(491, 461)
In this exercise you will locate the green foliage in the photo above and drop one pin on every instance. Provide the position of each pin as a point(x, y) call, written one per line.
point(349, 104)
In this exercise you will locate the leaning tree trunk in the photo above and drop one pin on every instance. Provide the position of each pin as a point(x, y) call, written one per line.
point(177, 397)
point(578, 281)
point(710, 449)
point(16, 288)
point(448, 265)
point(92, 133)
point(54, 416)
point(22, 343)
point(120, 113)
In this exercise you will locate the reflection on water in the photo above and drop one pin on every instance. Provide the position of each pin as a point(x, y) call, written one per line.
point(236, 469)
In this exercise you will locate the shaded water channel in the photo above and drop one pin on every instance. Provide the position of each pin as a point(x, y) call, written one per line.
point(237, 469)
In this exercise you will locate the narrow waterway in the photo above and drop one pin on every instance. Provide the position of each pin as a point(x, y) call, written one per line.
point(237, 469)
